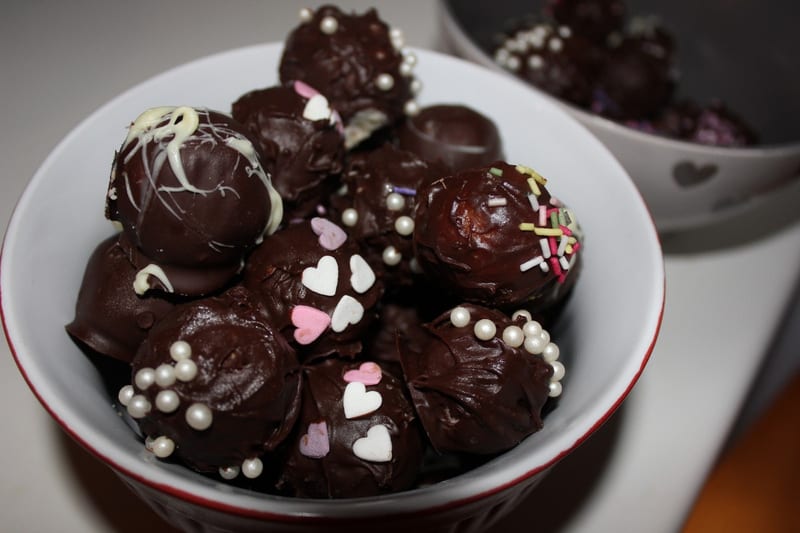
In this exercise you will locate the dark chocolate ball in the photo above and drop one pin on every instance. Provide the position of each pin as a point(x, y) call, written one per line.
point(455, 135)
point(357, 434)
point(215, 385)
point(192, 197)
point(480, 380)
point(494, 235)
point(594, 19)
point(714, 124)
point(110, 318)
point(316, 286)
point(358, 62)
point(301, 142)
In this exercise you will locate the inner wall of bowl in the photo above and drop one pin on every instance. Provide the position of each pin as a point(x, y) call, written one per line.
point(742, 52)
point(621, 282)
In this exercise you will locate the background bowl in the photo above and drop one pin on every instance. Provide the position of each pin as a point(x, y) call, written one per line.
point(687, 185)
point(59, 219)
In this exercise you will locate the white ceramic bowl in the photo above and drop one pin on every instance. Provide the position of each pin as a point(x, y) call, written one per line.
point(685, 185)
point(606, 334)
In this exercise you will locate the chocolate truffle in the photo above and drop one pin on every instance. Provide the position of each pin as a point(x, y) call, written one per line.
point(357, 434)
point(377, 205)
point(192, 197)
point(714, 124)
point(455, 135)
point(110, 318)
point(555, 59)
point(358, 62)
point(495, 236)
point(479, 382)
point(215, 385)
point(316, 286)
point(594, 19)
point(301, 141)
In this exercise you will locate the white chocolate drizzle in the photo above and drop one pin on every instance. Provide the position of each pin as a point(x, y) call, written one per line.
point(141, 284)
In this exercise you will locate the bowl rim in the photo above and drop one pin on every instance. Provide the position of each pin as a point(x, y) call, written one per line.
point(455, 31)
point(288, 509)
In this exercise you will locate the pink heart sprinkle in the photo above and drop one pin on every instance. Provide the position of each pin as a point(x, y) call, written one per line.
point(315, 443)
point(305, 90)
point(331, 236)
point(367, 373)
point(310, 323)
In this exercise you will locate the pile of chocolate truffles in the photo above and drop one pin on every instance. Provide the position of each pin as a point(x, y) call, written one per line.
point(330, 291)
point(591, 54)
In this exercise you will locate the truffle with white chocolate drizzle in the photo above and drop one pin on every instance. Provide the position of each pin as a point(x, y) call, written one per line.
point(192, 197)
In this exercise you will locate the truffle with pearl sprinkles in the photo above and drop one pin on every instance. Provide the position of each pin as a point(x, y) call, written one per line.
point(475, 387)
point(380, 86)
point(494, 235)
point(358, 434)
point(217, 380)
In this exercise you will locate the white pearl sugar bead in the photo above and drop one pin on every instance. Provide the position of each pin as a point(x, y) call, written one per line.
point(384, 81)
point(252, 468)
point(228, 472)
point(522, 313)
point(485, 329)
point(180, 350)
point(416, 86)
point(545, 336)
point(167, 401)
point(125, 394)
point(558, 371)
point(199, 416)
point(162, 447)
point(555, 389)
point(395, 202)
point(350, 217)
point(513, 336)
point(550, 352)
point(138, 406)
point(404, 225)
point(391, 256)
point(305, 15)
point(185, 370)
point(165, 375)
point(532, 328)
point(144, 378)
point(411, 108)
point(413, 264)
point(329, 25)
point(459, 316)
point(534, 345)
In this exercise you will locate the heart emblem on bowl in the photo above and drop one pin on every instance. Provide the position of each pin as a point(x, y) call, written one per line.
point(688, 174)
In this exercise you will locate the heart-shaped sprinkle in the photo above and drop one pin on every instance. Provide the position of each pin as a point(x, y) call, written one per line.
point(324, 278)
point(362, 277)
point(317, 108)
point(310, 323)
point(357, 401)
point(331, 236)
point(305, 90)
point(348, 311)
point(376, 447)
point(688, 174)
point(368, 373)
point(315, 443)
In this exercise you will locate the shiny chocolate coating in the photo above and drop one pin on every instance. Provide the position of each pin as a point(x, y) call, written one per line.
point(455, 135)
point(329, 464)
point(356, 62)
point(302, 150)
point(309, 290)
point(192, 197)
point(481, 234)
point(246, 381)
point(594, 19)
point(377, 207)
point(110, 318)
point(473, 395)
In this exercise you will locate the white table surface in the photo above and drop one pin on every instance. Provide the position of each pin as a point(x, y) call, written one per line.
point(728, 286)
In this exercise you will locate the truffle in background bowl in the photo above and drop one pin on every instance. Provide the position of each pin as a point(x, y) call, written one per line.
point(687, 185)
point(54, 229)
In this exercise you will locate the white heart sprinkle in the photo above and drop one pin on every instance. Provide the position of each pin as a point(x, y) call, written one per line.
point(324, 278)
point(348, 311)
point(357, 401)
point(317, 108)
point(362, 277)
point(376, 446)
